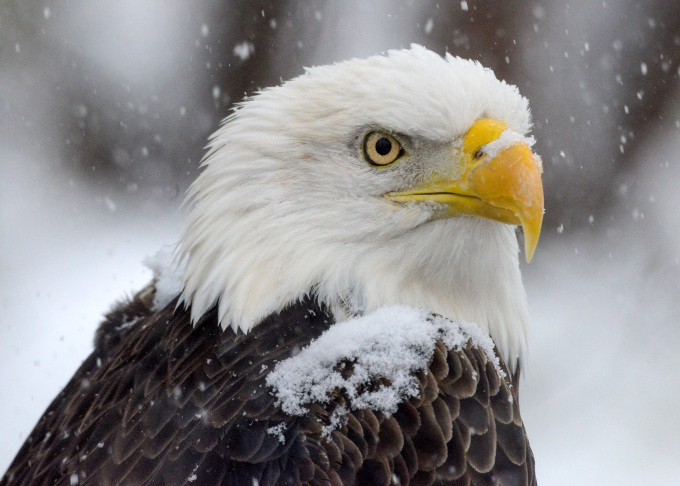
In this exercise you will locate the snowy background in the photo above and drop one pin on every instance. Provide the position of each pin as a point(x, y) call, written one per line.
point(105, 108)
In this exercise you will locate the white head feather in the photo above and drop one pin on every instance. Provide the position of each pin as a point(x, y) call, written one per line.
point(286, 204)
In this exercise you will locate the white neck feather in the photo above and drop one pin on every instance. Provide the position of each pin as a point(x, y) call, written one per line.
point(283, 209)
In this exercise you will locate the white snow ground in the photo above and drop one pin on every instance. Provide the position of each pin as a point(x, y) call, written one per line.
point(600, 392)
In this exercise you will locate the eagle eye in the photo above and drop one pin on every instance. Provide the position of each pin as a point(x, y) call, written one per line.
point(381, 148)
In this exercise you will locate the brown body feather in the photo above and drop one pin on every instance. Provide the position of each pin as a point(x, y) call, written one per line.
point(161, 402)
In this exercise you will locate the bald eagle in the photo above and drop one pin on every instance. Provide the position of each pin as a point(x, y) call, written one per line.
point(396, 180)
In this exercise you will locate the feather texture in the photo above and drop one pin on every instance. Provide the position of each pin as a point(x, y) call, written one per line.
point(175, 404)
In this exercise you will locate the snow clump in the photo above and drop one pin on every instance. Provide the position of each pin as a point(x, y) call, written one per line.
point(391, 343)
point(167, 276)
point(507, 139)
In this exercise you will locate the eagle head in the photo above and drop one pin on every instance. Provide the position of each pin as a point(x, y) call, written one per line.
point(396, 179)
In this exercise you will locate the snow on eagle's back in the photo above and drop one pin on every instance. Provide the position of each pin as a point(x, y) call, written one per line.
point(391, 343)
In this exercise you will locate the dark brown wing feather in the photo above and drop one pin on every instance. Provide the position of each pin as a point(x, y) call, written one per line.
point(161, 402)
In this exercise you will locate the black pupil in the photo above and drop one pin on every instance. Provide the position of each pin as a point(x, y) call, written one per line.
point(383, 146)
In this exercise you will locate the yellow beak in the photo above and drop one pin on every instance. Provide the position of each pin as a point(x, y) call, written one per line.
point(505, 187)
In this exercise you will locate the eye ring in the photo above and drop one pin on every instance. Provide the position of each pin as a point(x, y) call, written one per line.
point(381, 149)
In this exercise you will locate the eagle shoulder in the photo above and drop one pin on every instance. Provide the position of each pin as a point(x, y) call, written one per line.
point(161, 401)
